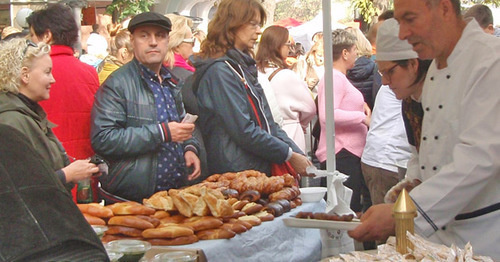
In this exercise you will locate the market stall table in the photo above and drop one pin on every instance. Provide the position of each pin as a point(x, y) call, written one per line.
point(270, 241)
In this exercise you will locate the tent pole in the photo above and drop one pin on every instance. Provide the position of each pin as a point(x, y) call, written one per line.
point(329, 104)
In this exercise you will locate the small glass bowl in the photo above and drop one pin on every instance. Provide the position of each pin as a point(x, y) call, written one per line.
point(176, 256)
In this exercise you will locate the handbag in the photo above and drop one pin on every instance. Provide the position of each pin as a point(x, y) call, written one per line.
point(276, 169)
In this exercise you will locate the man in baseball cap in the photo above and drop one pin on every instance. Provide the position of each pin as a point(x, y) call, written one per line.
point(136, 120)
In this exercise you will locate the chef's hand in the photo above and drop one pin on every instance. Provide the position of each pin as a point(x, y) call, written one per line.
point(377, 223)
point(193, 161)
point(79, 170)
point(299, 163)
point(180, 132)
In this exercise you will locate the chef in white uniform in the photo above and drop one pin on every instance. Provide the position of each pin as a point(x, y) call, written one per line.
point(459, 159)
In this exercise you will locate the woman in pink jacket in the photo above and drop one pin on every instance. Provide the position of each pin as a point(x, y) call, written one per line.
point(352, 118)
point(294, 99)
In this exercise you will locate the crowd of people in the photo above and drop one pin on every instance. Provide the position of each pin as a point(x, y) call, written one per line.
point(414, 107)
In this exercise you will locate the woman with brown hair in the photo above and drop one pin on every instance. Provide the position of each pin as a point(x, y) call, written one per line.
point(237, 125)
point(294, 99)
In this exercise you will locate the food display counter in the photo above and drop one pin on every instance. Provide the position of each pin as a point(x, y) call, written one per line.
point(270, 241)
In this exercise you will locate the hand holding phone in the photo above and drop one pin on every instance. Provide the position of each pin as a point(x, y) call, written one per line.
point(190, 119)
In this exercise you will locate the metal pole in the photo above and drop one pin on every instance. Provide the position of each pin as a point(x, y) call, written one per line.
point(330, 123)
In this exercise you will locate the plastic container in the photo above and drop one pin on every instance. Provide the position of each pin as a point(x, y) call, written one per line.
point(176, 256)
point(132, 250)
point(99, 230)
point(312, 194)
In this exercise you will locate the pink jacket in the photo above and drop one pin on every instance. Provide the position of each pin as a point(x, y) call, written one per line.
point(350, 132)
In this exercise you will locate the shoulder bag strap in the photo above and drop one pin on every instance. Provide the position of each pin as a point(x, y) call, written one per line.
point(274, 73)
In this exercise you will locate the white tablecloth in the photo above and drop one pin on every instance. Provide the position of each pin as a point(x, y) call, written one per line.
point(271, 241)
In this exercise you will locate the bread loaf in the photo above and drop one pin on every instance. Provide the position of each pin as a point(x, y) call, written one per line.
point(130, 221)
point(235, 227)
point(167, 232)
point(215, 234)
point(131, 208)
point(185, 240)
point(161, 201)
point(202, 223)
point(95, 210)
point(94, 220)
point(126, 231)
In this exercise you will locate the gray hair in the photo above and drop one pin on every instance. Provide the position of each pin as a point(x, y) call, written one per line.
point(341, 39)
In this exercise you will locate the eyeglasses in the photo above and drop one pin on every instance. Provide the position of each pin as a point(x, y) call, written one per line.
point(28, 44)
point(389, 72)
point(255, 24)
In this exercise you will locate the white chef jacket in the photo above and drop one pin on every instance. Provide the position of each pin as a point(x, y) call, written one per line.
point(386, 145)
point(459, 159)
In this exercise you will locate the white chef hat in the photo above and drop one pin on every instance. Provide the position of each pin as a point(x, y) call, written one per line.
point(389, 46)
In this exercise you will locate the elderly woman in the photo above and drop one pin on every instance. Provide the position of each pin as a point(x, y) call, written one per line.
point(25, 80)
point(352, 117)
point(235, 119)
point(295, 101)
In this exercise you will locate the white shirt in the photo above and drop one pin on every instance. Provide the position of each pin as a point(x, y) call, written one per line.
point(295, 102)
point(459, 159)
point(271, 98)
point(386, 145)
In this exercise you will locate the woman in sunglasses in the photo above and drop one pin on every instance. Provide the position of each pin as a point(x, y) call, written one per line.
point(25, 80)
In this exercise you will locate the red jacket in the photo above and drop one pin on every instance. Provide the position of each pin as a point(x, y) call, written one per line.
point(71, 99)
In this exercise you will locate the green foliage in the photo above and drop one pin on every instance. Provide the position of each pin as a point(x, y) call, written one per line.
point(121, 9)
point(302, 10)
point(495, 3)
point(366, 8)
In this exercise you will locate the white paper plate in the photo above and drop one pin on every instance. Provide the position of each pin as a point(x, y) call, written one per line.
point(316, 223)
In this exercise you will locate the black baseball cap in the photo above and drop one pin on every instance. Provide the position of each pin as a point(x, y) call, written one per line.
point(149, 18)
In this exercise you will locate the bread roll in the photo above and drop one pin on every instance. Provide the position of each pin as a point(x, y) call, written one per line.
point(215, 234)
point(241, 222)
point(202, 223)
point(95, 210)
point(127, 231)
point(160, 214)
point(252, 208)
point(130, 221)
point(167, 232)
point(253, 220)
point(185, 240)
point(240, 204)
point(153, 220)
point(94, 220)
point(172, 219)
point(235, 227)
point(264, 216)
point(108, 237)
point(131, 208)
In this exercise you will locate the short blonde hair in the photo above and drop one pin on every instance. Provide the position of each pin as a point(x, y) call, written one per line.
point(179, 21)
point(175, 39)
point(362, 44)
point(15, 54)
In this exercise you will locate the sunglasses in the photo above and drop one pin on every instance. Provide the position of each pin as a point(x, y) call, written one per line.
point(189, 40)
point(28, 44)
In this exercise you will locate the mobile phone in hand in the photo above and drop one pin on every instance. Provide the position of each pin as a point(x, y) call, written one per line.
point(190, 119)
